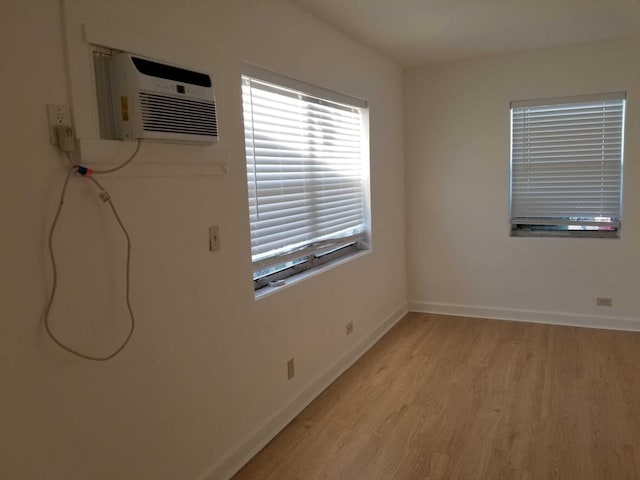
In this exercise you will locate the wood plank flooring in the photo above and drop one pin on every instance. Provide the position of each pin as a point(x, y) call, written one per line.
point(459, 398)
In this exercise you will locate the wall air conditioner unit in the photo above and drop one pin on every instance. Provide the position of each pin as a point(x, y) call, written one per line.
point(156, 101)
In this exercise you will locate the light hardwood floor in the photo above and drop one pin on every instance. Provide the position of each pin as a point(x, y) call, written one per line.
point(459, 398)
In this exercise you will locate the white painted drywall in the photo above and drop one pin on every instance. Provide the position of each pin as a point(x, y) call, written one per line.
point(461, 257)
point(207, 363)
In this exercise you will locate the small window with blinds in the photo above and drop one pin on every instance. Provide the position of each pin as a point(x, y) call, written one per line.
point(566, 166)
point(307, 170)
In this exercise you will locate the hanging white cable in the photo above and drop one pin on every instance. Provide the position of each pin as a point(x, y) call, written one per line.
point(104, 195)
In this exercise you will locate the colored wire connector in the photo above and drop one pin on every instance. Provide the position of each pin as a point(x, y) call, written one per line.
point(84, 171)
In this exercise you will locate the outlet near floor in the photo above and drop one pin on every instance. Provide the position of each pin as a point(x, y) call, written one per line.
point(349, 328)
point(290, 369)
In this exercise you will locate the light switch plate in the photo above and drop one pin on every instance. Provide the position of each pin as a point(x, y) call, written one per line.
point(214, 238)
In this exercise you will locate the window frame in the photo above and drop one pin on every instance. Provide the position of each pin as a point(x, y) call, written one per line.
point(564, 226)
point(323, 253)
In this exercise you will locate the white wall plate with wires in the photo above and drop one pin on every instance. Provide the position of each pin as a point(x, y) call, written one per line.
point(57, 115)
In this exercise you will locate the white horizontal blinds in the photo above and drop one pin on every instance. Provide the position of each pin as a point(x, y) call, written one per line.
point(304, 171)
point(566, 162)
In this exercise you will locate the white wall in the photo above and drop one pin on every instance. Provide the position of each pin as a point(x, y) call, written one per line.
point(461, 258)
point(207, 363)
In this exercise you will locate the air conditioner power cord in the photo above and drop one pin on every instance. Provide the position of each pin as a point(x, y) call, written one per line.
point(105, 197)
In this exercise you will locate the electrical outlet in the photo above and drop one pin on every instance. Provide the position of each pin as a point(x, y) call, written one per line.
point(604, 302)
point(290, 369)
point(57, 115)
point(214, 238)
point(349, 328)
point(66, 138)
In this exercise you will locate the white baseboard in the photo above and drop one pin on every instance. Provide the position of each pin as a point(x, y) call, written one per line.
point(253, 442)
point(533, 316)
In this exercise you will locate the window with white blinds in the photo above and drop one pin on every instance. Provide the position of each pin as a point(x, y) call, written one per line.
point(566, 165)
point(305, 172)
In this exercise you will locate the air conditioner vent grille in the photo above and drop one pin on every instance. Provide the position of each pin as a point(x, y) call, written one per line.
point(162, 113)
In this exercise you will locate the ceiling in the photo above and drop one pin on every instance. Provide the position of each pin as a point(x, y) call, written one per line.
point(415, 32)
